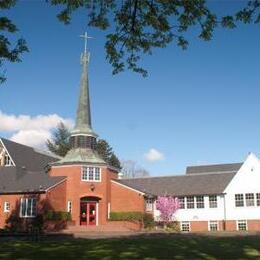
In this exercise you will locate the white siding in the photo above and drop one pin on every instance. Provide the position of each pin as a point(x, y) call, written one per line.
point(247, 180)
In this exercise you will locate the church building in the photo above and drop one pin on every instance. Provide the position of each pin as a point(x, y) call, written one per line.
point(212, 197)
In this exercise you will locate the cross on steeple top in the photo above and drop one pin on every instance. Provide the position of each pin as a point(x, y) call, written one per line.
point(85, 37)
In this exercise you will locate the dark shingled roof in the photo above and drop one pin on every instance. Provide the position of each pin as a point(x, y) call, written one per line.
point(18, 180)
point(215, 168)
point(25, 156)
point(182, 185)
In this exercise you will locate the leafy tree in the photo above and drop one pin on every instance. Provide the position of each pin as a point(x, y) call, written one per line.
point(9, 52)
point(59, 143)
point(138, 26)
point(135, 26)
point(167, 207)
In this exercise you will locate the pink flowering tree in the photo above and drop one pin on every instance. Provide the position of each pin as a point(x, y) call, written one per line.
point(167, 207)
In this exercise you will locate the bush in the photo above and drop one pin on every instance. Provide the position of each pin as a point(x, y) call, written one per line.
point(127, 216)
point(148, 220)
point(173, 226)
point(58, 215)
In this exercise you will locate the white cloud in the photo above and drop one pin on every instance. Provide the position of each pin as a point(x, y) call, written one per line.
point(31, 130)
point(154, 155)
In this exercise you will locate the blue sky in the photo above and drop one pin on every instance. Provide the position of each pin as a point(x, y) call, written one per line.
point(196, 106)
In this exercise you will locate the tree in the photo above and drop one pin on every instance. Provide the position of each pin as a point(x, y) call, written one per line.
point(9, 52)
point(136, 26)
point(167, 206)
point(139, 26)
point(131, 169)
point(59, 143)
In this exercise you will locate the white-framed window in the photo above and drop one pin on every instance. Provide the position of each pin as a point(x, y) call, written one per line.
point(213, 225)
point(213, 201)
point(257, 199)
point(239, 200)
point(190, 202)
point(69, 206)
point(7, 206)
point(28, 207)
point(181, 202)
point(149, 204)
point(241, 225)
point(185, 226)
point(90, 173)
point(7, 160)
point(200, 202)
point(250, 199)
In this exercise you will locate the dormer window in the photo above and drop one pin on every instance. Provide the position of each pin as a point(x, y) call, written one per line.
point(90, 174)
point(7, 160)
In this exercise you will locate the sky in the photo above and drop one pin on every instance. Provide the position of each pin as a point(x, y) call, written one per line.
point(199, 106)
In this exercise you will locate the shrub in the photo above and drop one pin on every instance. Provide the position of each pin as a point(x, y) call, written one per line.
point(148, 220)
point(127, 216)
point(173, 226)
point(58, 215)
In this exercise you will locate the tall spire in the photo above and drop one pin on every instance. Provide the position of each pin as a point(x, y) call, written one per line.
point(82, 138)
point(83, 118)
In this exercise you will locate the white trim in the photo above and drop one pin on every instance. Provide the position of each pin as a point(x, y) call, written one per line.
point(209, 225)
point(97, 213)
point(245, 222)
point(125, 186)
point(5, 206)
point(28, 216)
point(94, 173)
point(185, 222)
point(7, 153)
point(69, 206)
point(56, 184)
point(108, 210)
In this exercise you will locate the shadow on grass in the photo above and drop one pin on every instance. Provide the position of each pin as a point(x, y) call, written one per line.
point(148, 246)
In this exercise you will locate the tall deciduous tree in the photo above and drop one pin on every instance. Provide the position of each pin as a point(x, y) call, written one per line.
point(167, 207)
point(9, 52)
point(136, 26)
point(131, 169)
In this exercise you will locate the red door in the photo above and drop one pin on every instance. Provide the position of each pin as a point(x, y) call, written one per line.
point(88, 213)
point(92, 213)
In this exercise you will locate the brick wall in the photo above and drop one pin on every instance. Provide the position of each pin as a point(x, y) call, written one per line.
point(124, 199)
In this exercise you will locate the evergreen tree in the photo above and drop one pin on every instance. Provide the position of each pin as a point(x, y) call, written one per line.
point(59, 143)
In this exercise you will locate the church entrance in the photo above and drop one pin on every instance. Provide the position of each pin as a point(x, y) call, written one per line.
point(89, 211)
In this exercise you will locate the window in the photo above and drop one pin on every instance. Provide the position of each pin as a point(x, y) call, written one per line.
point(7, 206)
point(90, 174)
point(69, 206)
point(182, 202)
point(239, 200)
point(28, 207)
point(213, 225)
point(213, 201)
point(257, 199)
point(241, 225)
point(149, 204)
point(200, 202)
point(7, 160)
point(250, 199)
point(190, 202)
point(185, 226)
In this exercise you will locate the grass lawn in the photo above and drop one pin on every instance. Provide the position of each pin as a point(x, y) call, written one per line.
point(153, 246)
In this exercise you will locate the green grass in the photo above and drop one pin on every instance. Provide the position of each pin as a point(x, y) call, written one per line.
point(153, 246)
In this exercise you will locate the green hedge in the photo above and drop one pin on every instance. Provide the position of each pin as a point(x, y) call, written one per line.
point(58, 215)
point(134, 215)
point(146, 218)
